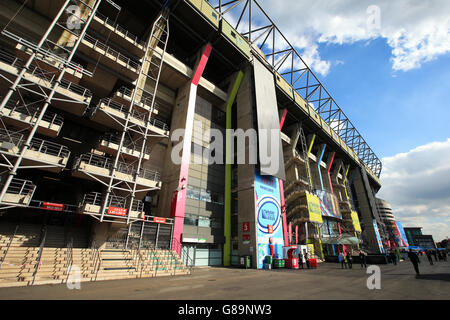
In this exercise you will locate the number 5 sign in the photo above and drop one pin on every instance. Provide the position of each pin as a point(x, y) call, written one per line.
point(246, 227)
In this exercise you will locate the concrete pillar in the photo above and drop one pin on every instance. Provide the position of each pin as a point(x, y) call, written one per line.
point(367, 209)
point(246, 172)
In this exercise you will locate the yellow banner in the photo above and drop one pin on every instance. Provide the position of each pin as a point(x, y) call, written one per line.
point(315, 214)
point(356, 221)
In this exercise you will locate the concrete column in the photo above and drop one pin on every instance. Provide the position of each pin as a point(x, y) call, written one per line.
point(367, 210)
point(246, 172)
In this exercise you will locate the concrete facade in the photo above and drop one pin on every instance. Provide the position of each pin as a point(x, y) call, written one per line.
point(120, 153)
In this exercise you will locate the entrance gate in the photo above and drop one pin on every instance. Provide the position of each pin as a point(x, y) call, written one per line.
point(146, 234)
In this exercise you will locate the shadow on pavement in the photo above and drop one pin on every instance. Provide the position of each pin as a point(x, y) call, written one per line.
point(438, 276)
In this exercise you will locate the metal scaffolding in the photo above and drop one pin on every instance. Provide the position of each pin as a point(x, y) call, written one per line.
point(44, 77)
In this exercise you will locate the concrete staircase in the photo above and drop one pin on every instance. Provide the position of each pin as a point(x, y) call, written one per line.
point(19, 265)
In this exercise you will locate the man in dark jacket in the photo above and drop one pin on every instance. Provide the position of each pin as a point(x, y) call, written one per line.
point(428, 254)
point(434, 254)
point(393, 257)
point(349, 259)
point(362, 258)
point(305, 253)
point(414, 260)
point(300, 259)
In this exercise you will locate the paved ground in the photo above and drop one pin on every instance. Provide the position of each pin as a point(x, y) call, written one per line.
point(329, 281)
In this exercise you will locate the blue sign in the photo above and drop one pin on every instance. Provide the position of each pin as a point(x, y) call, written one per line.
point(268, 217)
point(403, 238)
point(380, 244)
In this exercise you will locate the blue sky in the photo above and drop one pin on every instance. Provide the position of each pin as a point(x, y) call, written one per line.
point(395, 111)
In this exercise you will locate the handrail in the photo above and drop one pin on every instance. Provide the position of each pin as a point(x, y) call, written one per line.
point(127, 144)
point(33, 112)
point(69, 257)
point(36, 71)
point(108, 102)
point(130, 63)
point(38, 259)
point(107, 163)
point(96, 258)
point(36, 144)
point(184, 253)
point(20, 187)
point(107, 20)
point(9, 245)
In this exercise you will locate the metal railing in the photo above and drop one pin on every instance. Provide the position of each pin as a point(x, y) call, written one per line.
point(115, 26)
point(134, 114)
point(95, 253)
point(33, 112)
point(96, 198)
point(122, 167)
point(9, 245)
point(39, 257)
point(130, 63)
point(69, 257)
point(146, 98)
point(127, 143)
point(36, 144)
point(137, 205)
point(21, 187)
point(45, 76)
point(184, 254)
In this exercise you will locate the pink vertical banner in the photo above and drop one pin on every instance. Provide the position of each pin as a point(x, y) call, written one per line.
point(296, 234)
point(290, 233)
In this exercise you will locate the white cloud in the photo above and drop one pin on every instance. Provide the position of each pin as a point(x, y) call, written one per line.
point(416, 31)
point(417, 184)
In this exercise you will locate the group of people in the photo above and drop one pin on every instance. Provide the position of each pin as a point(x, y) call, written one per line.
point(441, 255)
point(346, 260)
point(303, 256)
point(414, 257)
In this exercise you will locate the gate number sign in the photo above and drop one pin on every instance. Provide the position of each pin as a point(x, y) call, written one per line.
point(117, 211)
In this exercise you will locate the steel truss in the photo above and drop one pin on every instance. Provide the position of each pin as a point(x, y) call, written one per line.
point(257, 27)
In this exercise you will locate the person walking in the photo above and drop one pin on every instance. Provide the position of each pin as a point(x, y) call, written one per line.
point(414, 260)
point(300, 258)
point(362, 258)
point(349, 260)
point(393, 257)
point(444, 254)
point(428, 254)
point(342, 260)
point(305, 253)
point(434, 254)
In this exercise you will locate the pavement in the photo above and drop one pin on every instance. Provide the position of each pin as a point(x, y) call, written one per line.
point(328, 281)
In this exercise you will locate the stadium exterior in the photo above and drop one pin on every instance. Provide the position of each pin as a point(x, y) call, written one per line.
point(91, 94)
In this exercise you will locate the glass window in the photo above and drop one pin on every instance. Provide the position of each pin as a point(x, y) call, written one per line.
point(204, 222)
point(193, 193)
point(190, 220)
point(205, 195)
